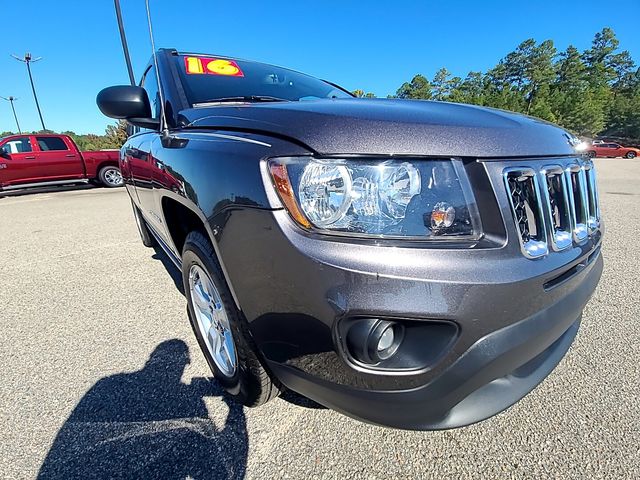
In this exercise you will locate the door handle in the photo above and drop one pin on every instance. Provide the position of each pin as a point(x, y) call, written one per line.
point(30, 158)
point(70, 155)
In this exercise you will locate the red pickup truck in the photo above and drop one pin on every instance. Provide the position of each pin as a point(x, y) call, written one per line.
point(39, 160)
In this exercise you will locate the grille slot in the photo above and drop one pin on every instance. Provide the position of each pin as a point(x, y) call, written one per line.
point(556, 200)
point(524, 197)
point(593, 202)
point(577, 190)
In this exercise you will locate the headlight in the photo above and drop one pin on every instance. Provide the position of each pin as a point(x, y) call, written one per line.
point(366, 197)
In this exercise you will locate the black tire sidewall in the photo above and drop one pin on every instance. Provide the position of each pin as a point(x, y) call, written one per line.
point(194, 254)
point(630, 155)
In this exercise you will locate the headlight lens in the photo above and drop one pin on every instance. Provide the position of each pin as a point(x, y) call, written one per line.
point(395, 198)
point(325, 193)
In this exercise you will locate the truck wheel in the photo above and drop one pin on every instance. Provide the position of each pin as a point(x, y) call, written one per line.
point(110, 176)
point(630, 155)
point(145, 235)
point(220, 328)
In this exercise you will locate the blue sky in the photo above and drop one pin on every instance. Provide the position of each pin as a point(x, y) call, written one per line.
point(375, 46)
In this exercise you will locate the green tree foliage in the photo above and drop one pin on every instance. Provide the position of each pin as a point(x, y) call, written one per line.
point(362, 94)
point(418, 88)
point(595, 92)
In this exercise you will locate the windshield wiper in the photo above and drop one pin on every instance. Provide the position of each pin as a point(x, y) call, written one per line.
point(241, 99)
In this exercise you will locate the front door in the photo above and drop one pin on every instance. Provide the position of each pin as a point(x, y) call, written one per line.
point(18, 162)
point(142, 169)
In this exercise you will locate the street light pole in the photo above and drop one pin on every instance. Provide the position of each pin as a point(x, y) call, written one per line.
point(123, 39)
point(28, 59)
point(12, 99)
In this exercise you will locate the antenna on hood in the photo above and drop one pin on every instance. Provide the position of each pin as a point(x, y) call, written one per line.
point(123, 38)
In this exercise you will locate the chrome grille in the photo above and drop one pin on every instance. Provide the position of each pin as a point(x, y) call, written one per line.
point(556, 199)
point(576, 185)
point(524, 196)
point(557, 205)
point(593, 202)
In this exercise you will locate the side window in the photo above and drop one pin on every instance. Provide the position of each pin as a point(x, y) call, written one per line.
point(18, 145)
point(51, 143)
point(150, 84)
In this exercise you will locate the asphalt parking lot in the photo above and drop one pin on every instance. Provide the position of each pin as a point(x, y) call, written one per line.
point(102, 378)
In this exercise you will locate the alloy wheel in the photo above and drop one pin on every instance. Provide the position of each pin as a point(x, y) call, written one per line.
point(212, 321)
point(113, 177)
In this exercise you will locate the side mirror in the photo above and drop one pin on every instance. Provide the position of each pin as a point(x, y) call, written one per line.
point(4, 153)
point(127, 102)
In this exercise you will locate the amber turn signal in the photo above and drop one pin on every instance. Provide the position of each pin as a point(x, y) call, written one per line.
point(285, 191)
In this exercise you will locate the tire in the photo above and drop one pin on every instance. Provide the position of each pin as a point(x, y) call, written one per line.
point(249, 383)
point(110, 177)
point(148, 240)
point(630, 155)
point(591, 154)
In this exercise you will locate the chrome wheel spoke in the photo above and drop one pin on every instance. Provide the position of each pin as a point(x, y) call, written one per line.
point(212, 321)
point(213, 339)
point(228, 349)
point(200, 298)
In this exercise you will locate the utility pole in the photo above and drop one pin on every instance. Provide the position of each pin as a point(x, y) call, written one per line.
point(28, 59)
point(12, 99)
point(123, 39)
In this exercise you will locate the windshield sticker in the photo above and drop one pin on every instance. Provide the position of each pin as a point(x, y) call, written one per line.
point(212, 66)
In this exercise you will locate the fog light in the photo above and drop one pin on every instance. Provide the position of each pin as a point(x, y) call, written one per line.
point(372, 341)
point(386, 340)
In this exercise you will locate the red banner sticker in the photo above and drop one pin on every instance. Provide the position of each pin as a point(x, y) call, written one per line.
point(212, 66)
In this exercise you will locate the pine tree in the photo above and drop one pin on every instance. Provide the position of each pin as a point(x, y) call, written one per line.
point(441, 85)
point(418, 88)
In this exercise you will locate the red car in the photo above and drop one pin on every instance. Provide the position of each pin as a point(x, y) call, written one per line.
point(39, 160)
point(612, 150)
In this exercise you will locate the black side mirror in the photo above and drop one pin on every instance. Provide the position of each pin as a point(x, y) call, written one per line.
point(127, 102)
point(4, 153)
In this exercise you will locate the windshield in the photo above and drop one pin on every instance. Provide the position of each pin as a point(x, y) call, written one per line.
point(207, 79)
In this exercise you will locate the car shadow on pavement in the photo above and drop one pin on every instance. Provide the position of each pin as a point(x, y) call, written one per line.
point(148, 424)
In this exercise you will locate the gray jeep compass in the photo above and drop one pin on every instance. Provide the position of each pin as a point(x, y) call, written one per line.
point(420, 265)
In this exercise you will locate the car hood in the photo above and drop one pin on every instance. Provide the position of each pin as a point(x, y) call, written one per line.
point(390, 127)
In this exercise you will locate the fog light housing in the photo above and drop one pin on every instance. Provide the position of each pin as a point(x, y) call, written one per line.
point(372, 341)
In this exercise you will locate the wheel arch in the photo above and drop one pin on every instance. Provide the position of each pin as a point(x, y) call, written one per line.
point(181, 219)
point(106, 163)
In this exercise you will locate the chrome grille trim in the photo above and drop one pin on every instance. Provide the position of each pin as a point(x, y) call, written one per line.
point(526, 205)
point(593, 200)
point(554, 207)
point(577, 189)
point(558, 209)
